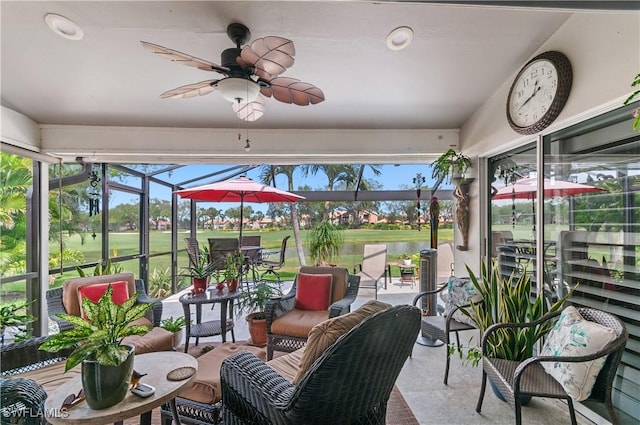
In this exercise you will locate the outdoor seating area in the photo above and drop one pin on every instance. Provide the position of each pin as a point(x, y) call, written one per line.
point(415, 369)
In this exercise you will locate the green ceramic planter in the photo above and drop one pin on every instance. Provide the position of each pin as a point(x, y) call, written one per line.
point(105, 386)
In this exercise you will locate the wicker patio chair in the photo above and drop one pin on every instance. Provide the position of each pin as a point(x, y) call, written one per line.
point(61, 302)
point(349, 383)
point(441, 326)
point(55, 304)
point(284, 309)
point(22, 401)
point(24, 398)
point(528, 378)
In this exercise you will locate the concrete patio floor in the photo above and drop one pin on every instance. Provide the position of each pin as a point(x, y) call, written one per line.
point(421, 379)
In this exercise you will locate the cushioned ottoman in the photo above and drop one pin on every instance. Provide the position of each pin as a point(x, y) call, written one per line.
point(200, 403)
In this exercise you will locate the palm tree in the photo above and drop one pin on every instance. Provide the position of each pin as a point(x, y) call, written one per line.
point(267, 176)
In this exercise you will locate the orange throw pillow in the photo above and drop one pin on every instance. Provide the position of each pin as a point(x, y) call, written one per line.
point(96, 291)
point(313, 291)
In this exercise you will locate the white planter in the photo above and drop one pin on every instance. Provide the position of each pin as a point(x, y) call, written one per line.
point(177, 338)
point(406, 262)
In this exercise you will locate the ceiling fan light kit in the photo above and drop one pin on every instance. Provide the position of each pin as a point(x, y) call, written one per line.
point(247, 72)
point(238, 90)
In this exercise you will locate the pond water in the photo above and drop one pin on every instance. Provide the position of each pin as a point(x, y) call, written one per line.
point(393, 248)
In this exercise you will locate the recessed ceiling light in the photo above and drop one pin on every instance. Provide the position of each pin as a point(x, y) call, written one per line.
point(63, 27)
point(399, 38)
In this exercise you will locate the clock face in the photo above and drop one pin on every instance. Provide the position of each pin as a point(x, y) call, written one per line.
point(533, 93)
point(539, 92)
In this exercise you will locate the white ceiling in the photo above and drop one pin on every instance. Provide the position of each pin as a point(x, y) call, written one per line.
point(460, 55)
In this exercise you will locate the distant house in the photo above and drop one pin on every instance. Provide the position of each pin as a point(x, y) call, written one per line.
point(346, 217)
point(160, 224)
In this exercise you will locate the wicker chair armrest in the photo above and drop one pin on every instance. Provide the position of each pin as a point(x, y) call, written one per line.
point(425, 293)
point(496, 327)
point(25, 355)
point(55, 307)
point(155, 312)
point(344, 305)
point(22, 401)
point(279, 306)
point(608, 349)
point(248, 381)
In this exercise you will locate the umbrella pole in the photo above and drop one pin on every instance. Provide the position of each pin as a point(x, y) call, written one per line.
point(240, 227)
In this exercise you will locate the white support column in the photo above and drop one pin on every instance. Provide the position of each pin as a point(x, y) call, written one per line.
point(44, 245)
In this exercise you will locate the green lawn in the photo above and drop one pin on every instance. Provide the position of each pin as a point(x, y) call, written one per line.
point(399, 241)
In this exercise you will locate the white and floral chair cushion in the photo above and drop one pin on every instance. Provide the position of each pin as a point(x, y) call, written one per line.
point(575, 336)
point(460, 291)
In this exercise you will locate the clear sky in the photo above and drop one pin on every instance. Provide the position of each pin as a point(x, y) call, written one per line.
point(392, 177)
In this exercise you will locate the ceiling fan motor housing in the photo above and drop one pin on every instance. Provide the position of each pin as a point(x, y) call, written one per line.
point(238, 33)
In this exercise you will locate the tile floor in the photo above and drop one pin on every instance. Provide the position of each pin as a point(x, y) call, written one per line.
point(421, 379)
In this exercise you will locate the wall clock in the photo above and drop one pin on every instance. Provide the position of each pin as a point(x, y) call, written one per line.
point(539, 92)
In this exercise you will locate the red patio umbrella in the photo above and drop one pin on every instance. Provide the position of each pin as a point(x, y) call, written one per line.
point(242, 189)
point(526, 189)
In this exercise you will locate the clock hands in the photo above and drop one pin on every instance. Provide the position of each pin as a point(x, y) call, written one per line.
point(536, 88)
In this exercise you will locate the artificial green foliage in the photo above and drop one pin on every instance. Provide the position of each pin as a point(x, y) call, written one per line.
point(99, 337)
point(636, 93)
point(325, 241)
point(507, 301)
point(254, 300)
point(14, 314)
point(173, 324)
point(448, 164)
point(232, 266)
point(199, 266)
point(109, 268)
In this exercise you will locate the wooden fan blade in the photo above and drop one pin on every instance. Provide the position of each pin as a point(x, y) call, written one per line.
point(292, 90)
point(190, 90)
point(183, 58)
point(271, 56)
point(250, 111)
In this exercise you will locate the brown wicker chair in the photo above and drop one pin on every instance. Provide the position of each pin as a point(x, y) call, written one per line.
point(157, 339)
point(22, 401)
point(528, 378)
point(24, 398)
point(349, 383)
point(285, 306)
point(55, 304)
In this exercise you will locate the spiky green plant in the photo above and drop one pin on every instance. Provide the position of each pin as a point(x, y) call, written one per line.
point(325, 241)
point(99, 337)
point(508, 301)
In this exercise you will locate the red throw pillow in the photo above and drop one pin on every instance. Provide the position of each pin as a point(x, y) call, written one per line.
point(313, 291)
point(96, 291)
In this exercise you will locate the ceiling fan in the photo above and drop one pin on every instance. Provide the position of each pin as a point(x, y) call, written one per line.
point(248, 72)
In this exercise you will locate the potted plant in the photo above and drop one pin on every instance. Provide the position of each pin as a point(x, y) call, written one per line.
point(106, 363)
point(507, 301)
point(200, 270)
point(452, 166)
point(252, 302)
point(174, 325)
point(406, 259)
point(325, 241)
point(232, 270)
point(13, 315)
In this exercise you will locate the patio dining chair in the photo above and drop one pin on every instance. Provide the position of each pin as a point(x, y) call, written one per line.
point(219, 248)
point(269, 266)
point(373, 267)
point(251, 256)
